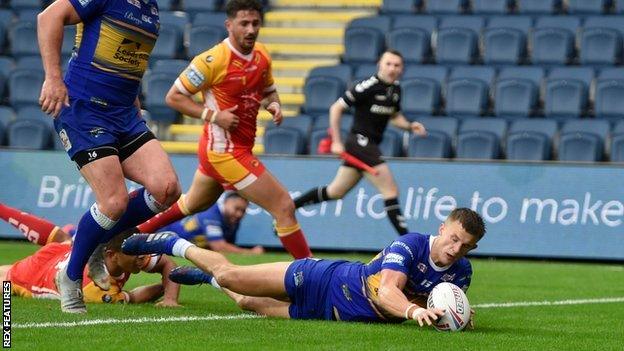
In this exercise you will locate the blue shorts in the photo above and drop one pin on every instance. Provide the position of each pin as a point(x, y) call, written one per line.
point(86, 125)
point(307, 284)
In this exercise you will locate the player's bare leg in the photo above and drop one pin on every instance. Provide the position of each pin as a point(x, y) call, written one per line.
point(261, 305)
point(385, 184)
point(346, 178)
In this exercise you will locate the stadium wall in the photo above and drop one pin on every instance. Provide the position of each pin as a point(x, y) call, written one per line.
point(546, 210)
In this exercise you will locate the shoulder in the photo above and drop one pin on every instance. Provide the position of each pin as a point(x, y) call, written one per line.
point(366, 84)
point(262, 50)
point(216, 56)
point(464, 265)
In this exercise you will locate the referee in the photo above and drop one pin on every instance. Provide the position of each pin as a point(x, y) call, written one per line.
point(376, 101)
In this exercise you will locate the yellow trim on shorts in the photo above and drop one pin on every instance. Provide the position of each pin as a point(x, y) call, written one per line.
point(228, 167)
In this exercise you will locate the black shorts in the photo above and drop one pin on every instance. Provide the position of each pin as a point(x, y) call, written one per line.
point(364, 149)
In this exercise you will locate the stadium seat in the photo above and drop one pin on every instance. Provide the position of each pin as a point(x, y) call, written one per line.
point(342, 71)
point(553, 40)
point(302, 123)
point(155, 89)
point(583, 7)
point(169, 66)
point(195, 6)
point(481, 138)
point(428, 24)
point(531, 139)
point(167, 5)
point(364, 71)
point(491, 7)
point(69, 40)
point(566, 91)
point(23, 37)
point(317, 136)
point(202, 38)
point(467, 90)
point(392, 143)
point(322, 122)
point(30, 62)
point(617, 143)
point(28, 15)
point(209, 19)
point(168, 45)
point(583, 140)
point(176, 19)
point(381, 23)
point(421, 88)
point(321, 92)
point(18, 5)
point(283, 140)
point(438, 7)
point(7, 65)
point(601, 41)
point(608, 102)
point(517, 91)
point(505, 40)
point(24, 87)
point(362, 45)
point(414, 44)
point(538, 7)
point(457, 39)
point(6, 18)
point(392, 7)
point(6, 116)
point(28, 134)
point(441, 132)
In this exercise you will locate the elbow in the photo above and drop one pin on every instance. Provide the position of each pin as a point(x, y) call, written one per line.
point(171, 100)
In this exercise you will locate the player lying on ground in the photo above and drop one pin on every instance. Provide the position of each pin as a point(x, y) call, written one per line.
point(35, 275)
point(391, 288)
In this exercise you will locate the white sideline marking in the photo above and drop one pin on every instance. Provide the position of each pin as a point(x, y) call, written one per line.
point(210, 317)
point(549, 303)
point(213, 317)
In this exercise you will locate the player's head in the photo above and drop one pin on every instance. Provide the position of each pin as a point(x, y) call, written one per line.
point(127, 263)
point(244, 18)
point(234, 207)
point(390, 66)
point(457, 236)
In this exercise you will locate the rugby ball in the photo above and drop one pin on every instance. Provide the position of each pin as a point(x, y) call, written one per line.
point(451, 298)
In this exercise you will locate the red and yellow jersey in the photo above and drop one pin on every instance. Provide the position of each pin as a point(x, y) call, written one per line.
point(226, 78)
point(33, 277)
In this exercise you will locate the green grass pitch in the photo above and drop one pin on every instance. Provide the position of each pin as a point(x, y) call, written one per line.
point(591, 325)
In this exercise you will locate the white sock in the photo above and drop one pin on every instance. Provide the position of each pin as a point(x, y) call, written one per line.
point(214, 283)
point(180, 247)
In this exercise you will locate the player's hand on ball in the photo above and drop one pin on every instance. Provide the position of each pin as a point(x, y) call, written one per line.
point(53, 96)
point(337, 148)
point(227, 119)
point(275, 109)
point(426, 315)
point(167, 303)
point(418, 128)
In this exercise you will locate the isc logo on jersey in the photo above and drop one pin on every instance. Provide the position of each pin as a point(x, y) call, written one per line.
point(194, 76)
point(393, 258)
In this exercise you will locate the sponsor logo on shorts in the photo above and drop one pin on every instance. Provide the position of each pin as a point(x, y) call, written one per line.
point(65, 140)
point(394, 258)
point(346, 292)
point(99, 101)
point(362, 140)
point(194, 76)
point(298, 276)
point(97, 131)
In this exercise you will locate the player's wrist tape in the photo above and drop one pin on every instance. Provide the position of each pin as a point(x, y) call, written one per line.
point(206, 112)
point(417, 312)
point(277, 105)
point(408, 309)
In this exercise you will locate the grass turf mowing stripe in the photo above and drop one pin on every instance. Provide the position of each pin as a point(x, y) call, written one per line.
point(211, 317)
point(549, 303)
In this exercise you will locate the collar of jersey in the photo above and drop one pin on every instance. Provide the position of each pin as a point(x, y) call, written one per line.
point(247, 57)
point(433, 265)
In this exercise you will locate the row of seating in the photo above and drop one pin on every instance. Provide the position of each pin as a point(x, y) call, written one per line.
point(497, 40)
point(503, 6)
point(559, 93)
point(474, 138)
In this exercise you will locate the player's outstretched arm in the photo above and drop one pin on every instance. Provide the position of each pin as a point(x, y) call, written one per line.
point(400, 121)
point(171, 290)
point(393, 301)
point(145, 293)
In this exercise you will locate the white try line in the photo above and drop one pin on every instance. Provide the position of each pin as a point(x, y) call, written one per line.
point(251, 316)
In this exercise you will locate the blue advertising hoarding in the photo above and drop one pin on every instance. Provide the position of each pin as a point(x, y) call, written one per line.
point(548, 210)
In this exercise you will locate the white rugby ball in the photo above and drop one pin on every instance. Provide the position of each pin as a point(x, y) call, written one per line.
point(450, 297)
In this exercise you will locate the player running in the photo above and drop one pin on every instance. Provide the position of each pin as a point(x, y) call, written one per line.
point(234, 77)
point(393, 287)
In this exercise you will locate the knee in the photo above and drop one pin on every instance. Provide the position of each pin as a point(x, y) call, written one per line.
point(113, 206)
point(226, 276)
point(165, 191)
point(285, 208)
point(247, 303)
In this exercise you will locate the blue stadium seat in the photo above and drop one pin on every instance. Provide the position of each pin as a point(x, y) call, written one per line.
point(531, 139)
point(6, 116)
point(538, 7)
point(342, 71)
point(283, 140)
point(6, 18)
point(400, 6)
point(29, 62)
point(457, 39)
point(176, 19)
point(302, 123)
point(491, 7)
point(167, 5)
point(195, 6)
point(7, 65)
point(155, 89)
point(2, 134)
point(505, 40)
point(441, 132)
point(553, 40)
point(322, 122)
point(381, 23)
point(601, 40)
point(423, 22)
point(170, 66)
point(202, 38)
point(583, 7)
point(583, 140)
point(617, 143)
point(168, 45)
point(392, 143)
point(69, 41)
point(517, 91)
point(28, 15)
point(24, 87)
point(363, 45)
point(18, 5)
point(364, 71)
point(609, 92)
point(414, 44)
point(317, 136)
point(421, 88)
point(321, 92)
point(29, 134)
point(481, 138)
point(446, 7)
point(566, 91)
point(23, 37)
point(467, 90)
point(209, 19)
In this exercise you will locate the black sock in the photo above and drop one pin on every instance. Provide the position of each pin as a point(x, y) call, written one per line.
point(393, 210)
point(313, 196)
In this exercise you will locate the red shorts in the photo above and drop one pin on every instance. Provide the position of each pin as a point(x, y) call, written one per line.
point(233, 170)
point(34, 275)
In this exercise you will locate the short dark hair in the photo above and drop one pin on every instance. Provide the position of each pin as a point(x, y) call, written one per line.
point(233, 6)
point(114, 244)
point(470, 220)
point(391, 51)
point(233, 195)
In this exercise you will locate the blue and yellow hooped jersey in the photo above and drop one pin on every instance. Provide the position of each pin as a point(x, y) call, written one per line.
point(113, 45)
